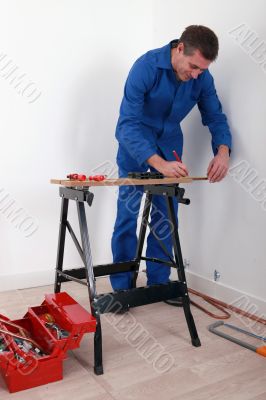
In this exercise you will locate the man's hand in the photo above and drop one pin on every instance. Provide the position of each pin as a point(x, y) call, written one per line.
point(172, 169)
point(219, 165)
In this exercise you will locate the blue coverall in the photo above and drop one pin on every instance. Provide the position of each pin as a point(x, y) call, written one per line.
point(153, 105)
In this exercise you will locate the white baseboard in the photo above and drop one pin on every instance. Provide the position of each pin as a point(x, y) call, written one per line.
point(246, 301)
point(26, 280)
point(227, 294)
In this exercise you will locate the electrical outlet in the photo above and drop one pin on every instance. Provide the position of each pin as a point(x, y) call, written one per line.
point(216, 275)
point(186, 263)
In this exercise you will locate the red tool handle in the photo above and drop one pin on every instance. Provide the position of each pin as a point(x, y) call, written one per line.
point(97, 178)
point(77, 177)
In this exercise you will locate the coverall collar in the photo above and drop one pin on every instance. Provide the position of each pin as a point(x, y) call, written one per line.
point(164, 56)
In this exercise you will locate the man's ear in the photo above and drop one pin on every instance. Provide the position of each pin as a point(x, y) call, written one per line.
point(180, 47)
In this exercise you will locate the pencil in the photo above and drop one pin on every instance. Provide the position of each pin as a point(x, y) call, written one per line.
point(177, 156)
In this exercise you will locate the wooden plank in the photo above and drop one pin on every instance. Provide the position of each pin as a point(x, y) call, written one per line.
point(126, 181)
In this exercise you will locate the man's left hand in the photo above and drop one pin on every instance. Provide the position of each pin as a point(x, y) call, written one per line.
point(219, 165)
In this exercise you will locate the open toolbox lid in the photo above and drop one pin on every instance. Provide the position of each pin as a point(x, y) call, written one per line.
point(66, 307)
point(67, 321)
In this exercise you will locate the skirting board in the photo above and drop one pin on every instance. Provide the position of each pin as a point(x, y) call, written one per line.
point(227, 294)
point(26, 280)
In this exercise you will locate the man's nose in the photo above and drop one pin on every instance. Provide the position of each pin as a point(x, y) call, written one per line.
point(195, 74)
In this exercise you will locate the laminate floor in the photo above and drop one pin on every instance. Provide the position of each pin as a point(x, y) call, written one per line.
point(166, 366)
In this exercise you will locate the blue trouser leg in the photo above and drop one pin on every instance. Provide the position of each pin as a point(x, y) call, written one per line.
point(124, 239)
point(159, 273)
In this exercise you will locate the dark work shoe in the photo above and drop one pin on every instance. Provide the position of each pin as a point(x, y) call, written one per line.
point(177, 302)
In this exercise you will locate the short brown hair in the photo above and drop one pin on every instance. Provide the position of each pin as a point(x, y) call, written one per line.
point(199, 37)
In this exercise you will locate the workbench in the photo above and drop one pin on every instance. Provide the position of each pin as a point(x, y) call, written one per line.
point(80, 193)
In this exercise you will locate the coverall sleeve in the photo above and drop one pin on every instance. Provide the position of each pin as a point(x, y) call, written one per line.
point(212, 114)
point(129, 130)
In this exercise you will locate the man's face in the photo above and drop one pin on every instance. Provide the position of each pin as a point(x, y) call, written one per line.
point(188, 67)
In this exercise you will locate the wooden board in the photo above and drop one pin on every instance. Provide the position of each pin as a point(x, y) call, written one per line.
point(126, 181)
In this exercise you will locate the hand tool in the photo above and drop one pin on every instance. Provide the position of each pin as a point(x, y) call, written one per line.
point(76, 177)
point(97, 178)
point(21, 330)
point(22, 338)
point(145, 175)
point(27, 347)
point(259, 350)
point(3, 346)
point(236, 328)
point(47, 317)
point(19, 358)
point(60, 333)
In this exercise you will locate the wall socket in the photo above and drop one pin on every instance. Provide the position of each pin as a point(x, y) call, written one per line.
point(216, 275)
point(186, 263)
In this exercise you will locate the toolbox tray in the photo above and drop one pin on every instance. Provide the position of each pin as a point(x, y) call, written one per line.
point(70, 316)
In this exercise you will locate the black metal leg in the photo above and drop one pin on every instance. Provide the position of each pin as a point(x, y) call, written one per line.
point(87, 258)
point(191, 323)
point(146, 295)
point(61, 244)
point(181, 274)
point(142, 234)
point(98, 352)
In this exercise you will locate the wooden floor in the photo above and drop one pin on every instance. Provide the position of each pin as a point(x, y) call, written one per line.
point(218, 370)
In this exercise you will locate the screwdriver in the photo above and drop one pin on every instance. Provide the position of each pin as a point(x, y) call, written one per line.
point(77, 177)
point(97, 178)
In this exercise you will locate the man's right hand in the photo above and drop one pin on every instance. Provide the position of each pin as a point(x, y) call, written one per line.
point(170, 169)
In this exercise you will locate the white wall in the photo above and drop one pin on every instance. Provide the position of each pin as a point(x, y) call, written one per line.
point(224, 227)
point(78, 54)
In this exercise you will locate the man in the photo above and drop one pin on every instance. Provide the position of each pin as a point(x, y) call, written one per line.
point(161, 89)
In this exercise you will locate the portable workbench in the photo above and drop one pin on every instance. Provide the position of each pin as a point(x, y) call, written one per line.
point(80, 192)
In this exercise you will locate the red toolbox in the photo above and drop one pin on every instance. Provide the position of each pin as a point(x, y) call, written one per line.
point(68, 314)
point(34, 355)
